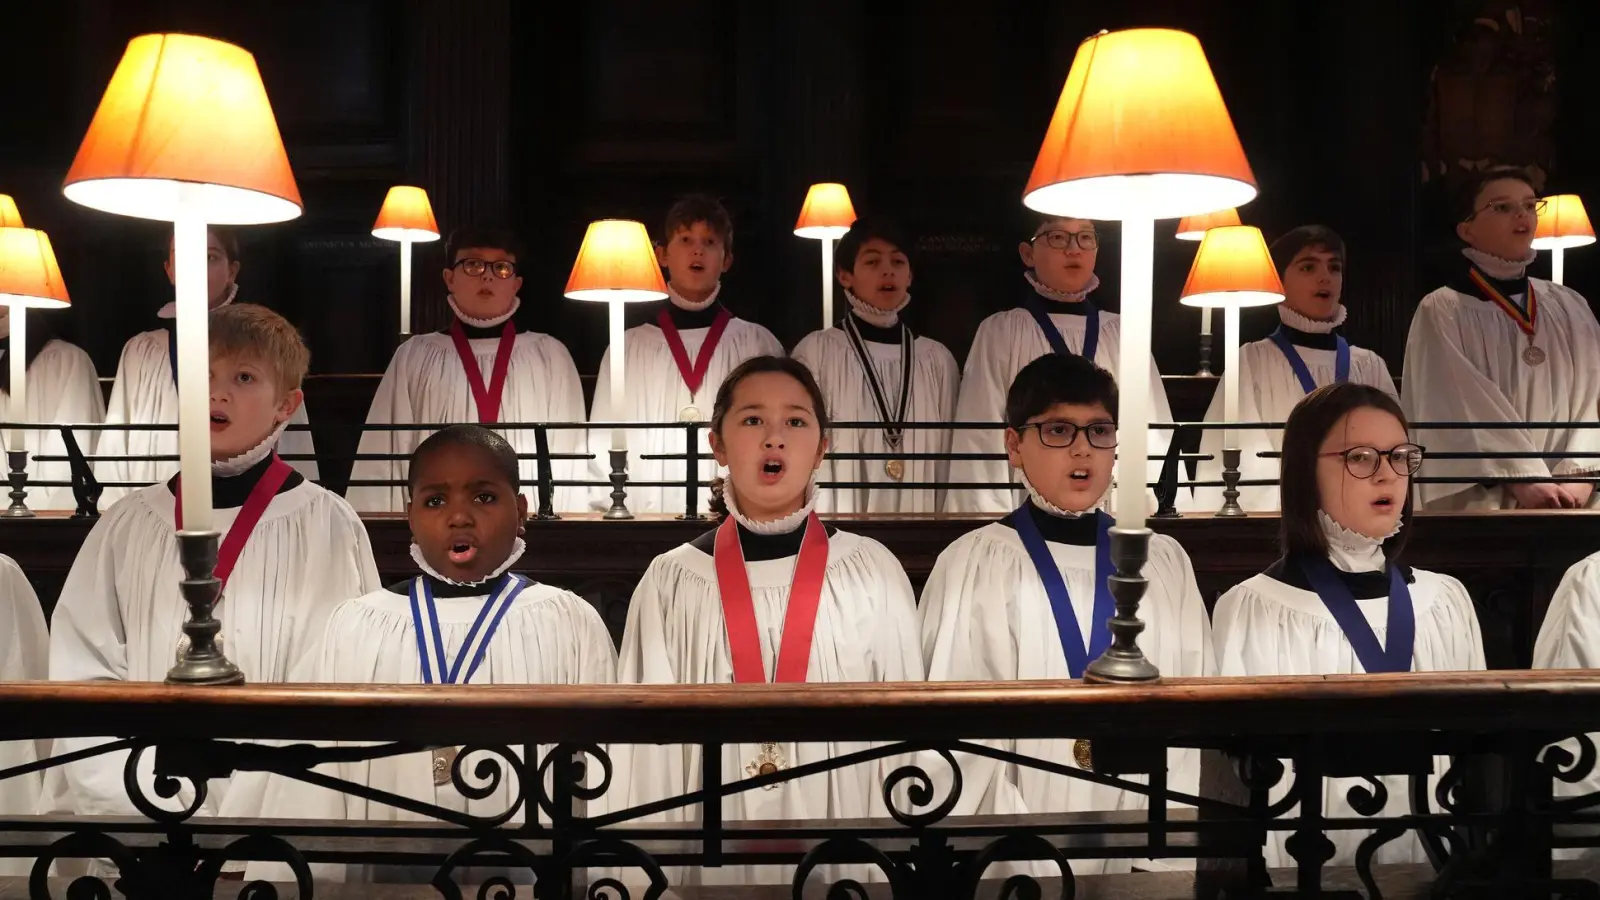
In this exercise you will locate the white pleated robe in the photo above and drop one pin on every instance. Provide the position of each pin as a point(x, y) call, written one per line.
point(146, 394)
point(985, 616)
point(1265, 627)
point(548, 636)
point(1006, 342)
point(24, 656)
point(62, 387)
point(426, 383)
point(935, 380)
point(655, 392)
point(1569, 638)
point(120, 617)
point(1464, 363)
point(676, 634)
point(1268, 391)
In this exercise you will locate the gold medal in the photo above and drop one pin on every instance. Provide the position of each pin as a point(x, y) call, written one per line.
point(689, 414)
point(183, 645)
point(769, 761)
point(1083, 755)
point(444, 762)
point(895, 469)
point(1533, 356)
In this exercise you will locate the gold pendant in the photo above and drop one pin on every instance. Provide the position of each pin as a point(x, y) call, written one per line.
point(183, 645)
point(1083, 755)
point(895, 468)
point(689, 414)
point(1533, 356)
point(769, 761)
point(444, 763)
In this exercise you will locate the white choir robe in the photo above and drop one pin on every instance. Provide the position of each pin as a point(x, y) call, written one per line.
point(145, 393)
point(426, 383)
point(655, 392)
point(548, 636)
point(676, 634)
point(62, 387)
point(24, 656)
point(120, 617)
point(986, 617)
point(1464, 363)
point(1268, 391)
point(1265, 627)
point(1570, 639)
point(1006, 342)
point(935, 381)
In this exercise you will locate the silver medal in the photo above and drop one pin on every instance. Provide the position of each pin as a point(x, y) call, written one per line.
point(689, 414)
point(1533, 356)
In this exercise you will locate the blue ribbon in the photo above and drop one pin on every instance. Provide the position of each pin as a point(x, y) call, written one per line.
point(439, 669)
point(1091, 327)
point(1402, 624)
point(1341, 360)
point(1072, 642)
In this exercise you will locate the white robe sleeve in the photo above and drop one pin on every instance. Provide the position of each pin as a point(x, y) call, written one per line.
point(982, 398)
point(62, 388)
point(392, 404)
point(24, 656)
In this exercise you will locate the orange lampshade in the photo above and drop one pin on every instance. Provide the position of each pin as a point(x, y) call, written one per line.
point(1193, 228)
point(185, 130)
point(616, 263)
point(1564, 224)
point(827, 212)
point(1140, 132)
point(1232, 268)
point(29, 275)
point(10, 216)
point(406, 216)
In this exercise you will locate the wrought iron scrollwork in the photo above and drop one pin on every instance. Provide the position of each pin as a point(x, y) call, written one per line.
point(1367, 850)
point(615, 854)
point(87, 845)
point(258, 847)
point(849, 850)
point(166, 787)
point(920, 791)
point(503, 888)
point(566, 765)
point(1020, 886)
point(1368, 801)
point(1559, 763)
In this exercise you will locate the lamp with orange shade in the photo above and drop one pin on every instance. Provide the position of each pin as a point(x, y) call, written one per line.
point(616, 265)
point(185, 134)
point(1194, 228)
point(1563, 224)
point(1233, 270)
point(29, 277)
point(1139, 133)
point(10, 216)
point(406, 217)
point(826, 216)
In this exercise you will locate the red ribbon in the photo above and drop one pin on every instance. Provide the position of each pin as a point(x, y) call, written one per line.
point(739, 610)
point(487, 398)
point(254, 505)
point(693, 374)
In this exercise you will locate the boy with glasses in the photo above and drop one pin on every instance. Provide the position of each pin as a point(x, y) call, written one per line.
point(479, 370)
point(1497, 347)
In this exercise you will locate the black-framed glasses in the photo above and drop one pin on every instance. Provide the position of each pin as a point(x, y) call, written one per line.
point(1063, 240)
point(1533, 207)
point(1100, 435)
point(474, 268)
point(1362, 462)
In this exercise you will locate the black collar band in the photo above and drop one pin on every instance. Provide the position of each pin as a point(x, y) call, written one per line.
point(1310, 340)
point(686, 319)
point(230, 491)
point(760, 547)
point(875, 334)
point(1082, 531)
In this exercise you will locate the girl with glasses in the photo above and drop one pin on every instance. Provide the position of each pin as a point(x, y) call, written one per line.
point(1338, 602)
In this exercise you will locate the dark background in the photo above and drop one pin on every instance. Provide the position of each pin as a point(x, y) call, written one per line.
point(542, 116)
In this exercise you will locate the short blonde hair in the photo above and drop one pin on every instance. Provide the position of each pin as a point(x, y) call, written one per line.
point(251, 331)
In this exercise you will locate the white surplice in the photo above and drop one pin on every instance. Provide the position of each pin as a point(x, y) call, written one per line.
point(1570, 639)
point(986, 617)
point(146, 393)
point(426, 383)
point(548, 636)
point(120, 617)
point(24, 656)
point(1464, 363)
point(676, 634)
point(1266, 627)
point(1007, 341)
point(62, 387)
point(935, 380)
point(655, 392)
point(1268, 391)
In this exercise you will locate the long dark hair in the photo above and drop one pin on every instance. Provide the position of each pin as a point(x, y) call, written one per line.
point(39, 334)
point(1308, 425)
point(758, 365)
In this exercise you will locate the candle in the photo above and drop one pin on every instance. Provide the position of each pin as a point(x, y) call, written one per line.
point(1205, 320)
point(619, 437)
point(1230, 372)
point(17, 357)
point(194, 371)
point(1133, 377)
point(405, 287)
point(827, 283)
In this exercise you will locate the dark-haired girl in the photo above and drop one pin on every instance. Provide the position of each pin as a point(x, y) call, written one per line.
point(771, 595)
point(1338, 602)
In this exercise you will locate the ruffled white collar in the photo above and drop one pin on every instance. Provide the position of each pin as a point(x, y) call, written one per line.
point(685, 303)
point(1050, 293)
point(1309, 325)
point(1350, 551)
point(1499, 266)
point(1039, 500)
point(517, 548)
point(785, 525)
point(883, 318)
point(170, 310)
point(238, 465)
point(516, 303)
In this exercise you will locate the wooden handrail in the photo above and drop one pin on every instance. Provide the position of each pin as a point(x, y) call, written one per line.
point(1480, 702)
